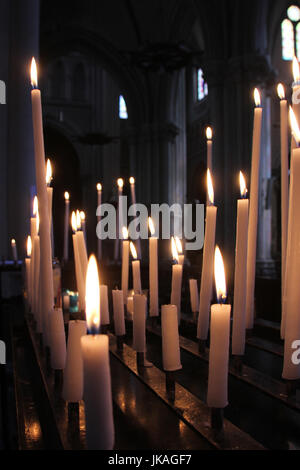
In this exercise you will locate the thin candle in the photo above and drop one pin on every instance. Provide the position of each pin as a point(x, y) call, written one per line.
point(133, 202)
point(136, 270)
point(125, 264)
point(176, 280)
point(66, 228)
point(99, 241)
point(120, 184)
point(153, 271)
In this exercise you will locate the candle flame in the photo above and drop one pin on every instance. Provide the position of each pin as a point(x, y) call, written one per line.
point(296, 71)
point(35, 205)
point(13, 241)
point(257, 97)
point(294, 126)
point(133, 250)
point(120, 182)
point(99, 186)
point(29, 246)
point(67, 196)
point(78, 220)
point(125, 233)
point(74, 222)
point(33, 73)
point(82, 215)
point(92, 296)
point(131, 180)
point(37, 222)
point(48, 172)
point(220, 276)
point(243, 187)
point(174, 250)
point(151, 226)
point(210, 188)
point(209, 133)
point(178, 245)
point(280, 91)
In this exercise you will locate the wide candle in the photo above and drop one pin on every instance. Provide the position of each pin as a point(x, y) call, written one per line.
point(96, 370)
point(73, 373)
point(153, 271)
point(253, 211)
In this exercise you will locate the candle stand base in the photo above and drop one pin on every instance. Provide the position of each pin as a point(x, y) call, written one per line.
point(238, 363)
point(142, 361)
point(217, 418)
point(170, 385)
point(120, 343)
point(201, 346)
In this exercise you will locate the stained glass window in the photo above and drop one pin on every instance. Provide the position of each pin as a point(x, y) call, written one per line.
point(202, 89)
point(290, 33)
point(122, 108)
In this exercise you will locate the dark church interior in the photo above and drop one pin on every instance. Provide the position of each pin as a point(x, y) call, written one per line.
point(132, 345)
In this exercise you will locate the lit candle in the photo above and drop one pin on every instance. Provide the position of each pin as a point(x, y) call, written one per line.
point(66, 231)
point(176, 280)
point(78, 269)
point(36, 277)
point(99, 241)
point(133, 202)
point(284, 191)
point(153, 271)
point(118, 307)
point(170, 338)
point(81, 245)
point(194, 296)
point(209, 148)
point(104, 309)
point(96, 370)
point(139, 323)
point(125, 264)
point(291, 369)
point(207, 263)
point(14, 250)
point(57, 339)
point(83, 224)
point(27, 268)
point(296, 90)
point(179, 251)
point(253, 211)
point(33, 233)
point(73, 373)
point(50, 199)
point(217, 392)
point(240, 273)
point(120, 184)
point(136, 270)
point(46, 272)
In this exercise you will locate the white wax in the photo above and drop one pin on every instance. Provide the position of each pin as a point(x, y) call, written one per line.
point(97, 393)
point(104, 309)
point(133, 202)
point(130, 307)
point(240, 279)
point(181, 260)
point(46, 272)
point(57, 339)
point(99, 241)
point(66, 229)
point(153, 277)
point(292, 320)
point(194, 296)
point(209, 154)
point(119, 224)
point(79, 275)
point(27, 278)
point(36, 279)
point(136, 274)
point(33, 233)
point(139, 323)
point(73, 373)
point(253, 215)
point(217, 391)
point(125, 269)
point(170, 338)
point(206, 284)
point(14, 251)
point(118, 306)
point(176, 288)
point(82, 253)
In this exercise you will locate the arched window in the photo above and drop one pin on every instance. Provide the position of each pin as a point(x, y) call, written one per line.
point(122, 108)
point(202, 89)
point(290, 33)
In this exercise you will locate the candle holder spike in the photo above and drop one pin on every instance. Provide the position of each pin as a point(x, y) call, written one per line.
point(170, 385)
point(217, 419)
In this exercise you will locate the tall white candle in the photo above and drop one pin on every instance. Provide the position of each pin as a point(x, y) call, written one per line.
point(153, 271)
point(120, 184)
point(136, 271)
point(36, 280)
point(125, 264)
point(27, 269)
point(78, 269)
point(33, 233)
point(83, 225)
point(209, 148)
point(217, 391)
point(96, 370)
point(170, 338)
point(118, 307)
point(240, 273)
point(46, 272)
point(139, 322)
point(73, 373)
point(50, 200)
point(253, 211)
point(66, 226)
point(206, 284)
point(14, 249)
point(57, 339)
point(99, 241)
point(104, 309)
point(176, 281)
point(133, 202)
point(291, 369)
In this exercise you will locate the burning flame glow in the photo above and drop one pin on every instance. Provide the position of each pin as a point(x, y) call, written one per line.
point(37, 222)
point(99, 186)
point(210, 188)
point(296, 71)
point(82, 215)
point(174, 250)
point(294, 126)
point(78, 220)
point(151, 226)
point(120, 182)
point(280, 91)
point(220, 276)
point(74, 222)
point(131, 180)
point(35, 205)
point(13, 241)
point(209, 133)
point(48, 172)
point(33, 73)
point(243, 188)
point(125, 233)
point(133, 250)
point(257, 97)
point(178, 245)
point(29, 246)
point(67, 196)
point(92, 296)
